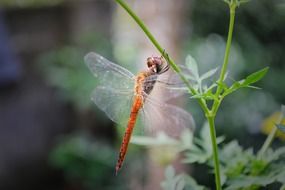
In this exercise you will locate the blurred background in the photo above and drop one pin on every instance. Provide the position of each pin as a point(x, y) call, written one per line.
point(53, 137)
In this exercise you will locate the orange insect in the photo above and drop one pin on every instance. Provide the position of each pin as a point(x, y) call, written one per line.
point(127, 99)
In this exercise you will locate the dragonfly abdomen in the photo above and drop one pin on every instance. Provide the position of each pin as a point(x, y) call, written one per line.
point(128, 133)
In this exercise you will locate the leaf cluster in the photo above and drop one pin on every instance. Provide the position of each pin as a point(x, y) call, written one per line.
point(201, 149)
point(240, 169)
point(175, 181)
point(209, 91)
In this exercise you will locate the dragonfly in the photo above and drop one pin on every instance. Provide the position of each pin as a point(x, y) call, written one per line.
point(129, 99)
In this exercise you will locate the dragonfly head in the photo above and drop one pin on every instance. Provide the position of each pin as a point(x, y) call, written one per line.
point(157, 65)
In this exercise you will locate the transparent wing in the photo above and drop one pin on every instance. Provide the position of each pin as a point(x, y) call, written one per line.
point(114, 94)
point(109, 74)
point(172, 85)
point(115, 103)
point(169, 86)
point(157, 116)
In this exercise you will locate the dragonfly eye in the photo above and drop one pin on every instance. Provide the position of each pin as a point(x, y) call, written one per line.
point(149, 62)
point(157, 65)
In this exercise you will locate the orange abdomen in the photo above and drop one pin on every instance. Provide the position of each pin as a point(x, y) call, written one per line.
point(137, 104)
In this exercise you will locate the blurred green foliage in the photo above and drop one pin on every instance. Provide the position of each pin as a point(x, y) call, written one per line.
point(242, 169)
point(179, 181)
point(29, 3)
point(64, 69)
point(88, 163)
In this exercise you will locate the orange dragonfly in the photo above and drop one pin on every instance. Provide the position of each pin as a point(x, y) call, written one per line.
point(127, 98)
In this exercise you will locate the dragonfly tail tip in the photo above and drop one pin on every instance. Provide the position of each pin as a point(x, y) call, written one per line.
point(116, 171)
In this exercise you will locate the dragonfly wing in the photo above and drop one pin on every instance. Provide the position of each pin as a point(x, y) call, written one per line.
point(114, 93)
point(169, 86)
point(171, 119)
point(109, 74)
point(115, 103)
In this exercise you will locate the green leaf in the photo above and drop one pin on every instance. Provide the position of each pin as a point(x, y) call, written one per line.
point(220, 139)
point(172, 181)
point(192, 66)
point(222, 85)
point(208, 74)
point(205, 134)
point(191, 184)
point(200, 157)
point(207, 95)
point(234, 160)
point(254, 87)
point(223, 175)
point(258, 166)
point(279, 152)
point(281, 175)
point(281, 127)
point(273, 173)
point(234, 87)
point(249, 181)
point(254, 77)
point(271, 155)
point(209, 90)
point(201, 150)
point(186, 140)
point(179, 182)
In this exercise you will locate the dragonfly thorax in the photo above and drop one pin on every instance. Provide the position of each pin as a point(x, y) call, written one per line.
point(144, 82)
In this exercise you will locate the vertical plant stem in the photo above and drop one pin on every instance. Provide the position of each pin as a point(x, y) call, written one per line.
point(216, 104)
point(226, 57)
point(229, 42)
point(211, 121)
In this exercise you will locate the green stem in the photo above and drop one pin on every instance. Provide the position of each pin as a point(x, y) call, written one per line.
point(269, 138)
point(211, 121)
point(229, 42)
point(201, 102)
point(267, 142)
point(217, 103)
